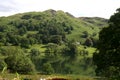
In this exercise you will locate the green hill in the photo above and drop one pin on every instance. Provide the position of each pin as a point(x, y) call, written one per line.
point(49, 42)
point(50, 24)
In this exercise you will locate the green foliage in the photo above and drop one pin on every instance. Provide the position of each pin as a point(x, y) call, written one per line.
point(70, 50)
point(88, 42)
point(107, 58)
point(46, 42)
point(50, 27)
point(35, 52)
point(36, 58)
point(2, 64)
point(18, 62)
point(85, 34)
point(25, 42)
point(47, 68)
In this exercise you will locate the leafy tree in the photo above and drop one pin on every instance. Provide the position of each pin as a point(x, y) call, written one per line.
point(107, 58)
point(25, 43)
point(88, 42)
point(18, 62)
point(13, 39)
point(56, 39)
point(22, 30)
point(26, 16)
point(51, 48)
point(70, 51)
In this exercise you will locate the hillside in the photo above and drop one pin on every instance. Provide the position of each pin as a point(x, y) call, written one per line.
point(48, 23)
point(49, 42)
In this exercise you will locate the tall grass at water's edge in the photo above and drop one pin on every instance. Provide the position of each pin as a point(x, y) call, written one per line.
point(10, 76)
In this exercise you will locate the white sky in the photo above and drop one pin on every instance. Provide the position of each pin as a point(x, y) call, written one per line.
point(78, 8)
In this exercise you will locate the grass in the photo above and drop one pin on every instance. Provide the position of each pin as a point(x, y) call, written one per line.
point(80, 27)
point(91, 50)
point(40, 47)
point(11, 76)
point(7, 76)
point(30, 32)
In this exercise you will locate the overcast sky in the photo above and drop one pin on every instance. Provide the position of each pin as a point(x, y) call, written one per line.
point(78, 8)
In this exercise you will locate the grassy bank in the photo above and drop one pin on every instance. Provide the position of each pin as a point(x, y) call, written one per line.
point(38, 77)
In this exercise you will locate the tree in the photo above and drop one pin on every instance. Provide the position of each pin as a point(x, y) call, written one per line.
point(26, 16)
point(18, 62)
point(25, 43)
point(56, 39)
point(107, 58)
point(22, 30)
point(70, 51)
point(88, 42)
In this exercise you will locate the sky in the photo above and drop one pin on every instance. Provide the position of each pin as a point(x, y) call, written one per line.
point(78, 8)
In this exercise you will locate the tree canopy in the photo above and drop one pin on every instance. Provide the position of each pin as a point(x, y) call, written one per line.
point(107, 58)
